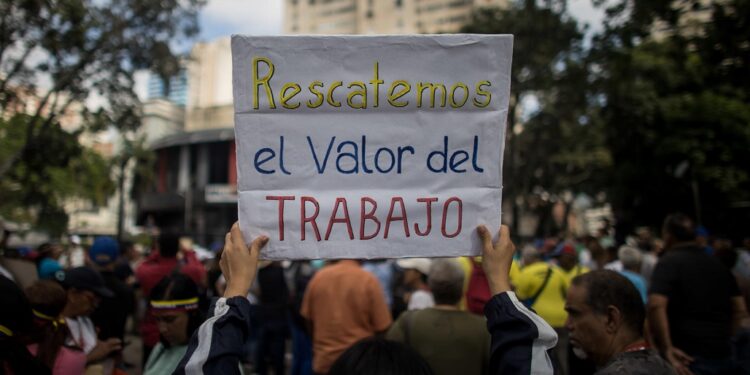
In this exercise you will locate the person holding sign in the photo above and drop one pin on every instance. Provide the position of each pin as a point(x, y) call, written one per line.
point(520, 338)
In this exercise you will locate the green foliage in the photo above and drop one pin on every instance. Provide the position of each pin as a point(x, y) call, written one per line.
point(36, 188)
point(56, 54)
point(677, 114)
point(558, 147)
point(656, 112)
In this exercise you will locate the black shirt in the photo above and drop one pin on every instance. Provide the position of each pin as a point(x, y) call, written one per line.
point(112, 314)
point(642, 362)
point(699, 289)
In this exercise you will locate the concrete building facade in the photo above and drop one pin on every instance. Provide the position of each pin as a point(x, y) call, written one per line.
point(380, 16)
point(194, 190)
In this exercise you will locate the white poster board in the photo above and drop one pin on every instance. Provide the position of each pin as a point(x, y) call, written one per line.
point(370, 146)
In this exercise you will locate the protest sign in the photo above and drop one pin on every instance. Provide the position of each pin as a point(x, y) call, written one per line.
point(370, 146)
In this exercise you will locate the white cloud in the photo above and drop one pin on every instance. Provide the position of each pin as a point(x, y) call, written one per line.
point(251, 17)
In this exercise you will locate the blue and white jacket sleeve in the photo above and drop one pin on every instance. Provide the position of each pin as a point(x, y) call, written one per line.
point(219, 343)
point(520, 338)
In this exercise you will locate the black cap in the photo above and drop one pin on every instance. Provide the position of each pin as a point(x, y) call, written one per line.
point(83, 278)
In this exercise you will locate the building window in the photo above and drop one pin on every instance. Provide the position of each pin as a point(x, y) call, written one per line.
point(218, 163)
point(399, 3)
point(369, 14)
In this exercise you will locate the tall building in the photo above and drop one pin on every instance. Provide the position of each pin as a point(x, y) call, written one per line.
point(194, 190)
point(379, 16)
point(692, 18)
point(175, 92)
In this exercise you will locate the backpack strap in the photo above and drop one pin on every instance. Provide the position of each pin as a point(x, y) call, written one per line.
point(530, 302)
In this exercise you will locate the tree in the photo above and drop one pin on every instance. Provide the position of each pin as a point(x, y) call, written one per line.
point(36, 188)
point(54, 56)
point(676, 105)
point(558, 147)
point(55, 53)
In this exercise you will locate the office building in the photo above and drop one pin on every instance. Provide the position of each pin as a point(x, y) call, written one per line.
point(380, 16)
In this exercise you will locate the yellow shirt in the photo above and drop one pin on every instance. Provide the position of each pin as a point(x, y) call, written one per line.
point(575, 271)
point(515, 273)
point(550, 304)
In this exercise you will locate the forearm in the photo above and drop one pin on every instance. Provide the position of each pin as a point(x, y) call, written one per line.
point(740, 317)
point(657, 315)
point(500, 286)
point(219, 343)
point(520, 338)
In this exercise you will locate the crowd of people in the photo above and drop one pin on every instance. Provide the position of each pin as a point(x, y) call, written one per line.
point(670, 305)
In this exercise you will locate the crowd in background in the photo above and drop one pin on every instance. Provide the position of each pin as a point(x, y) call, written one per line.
point(85, 302)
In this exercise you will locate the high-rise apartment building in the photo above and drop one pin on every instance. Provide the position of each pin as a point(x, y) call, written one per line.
point(176, 92)
point(379, 16)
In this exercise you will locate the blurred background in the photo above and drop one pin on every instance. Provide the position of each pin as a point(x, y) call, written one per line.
point(116, 116)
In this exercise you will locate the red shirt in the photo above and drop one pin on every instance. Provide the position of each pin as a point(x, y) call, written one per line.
point(155, 268)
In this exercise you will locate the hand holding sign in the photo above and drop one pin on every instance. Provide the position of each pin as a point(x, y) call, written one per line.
point(239, 262)
point(497, 258)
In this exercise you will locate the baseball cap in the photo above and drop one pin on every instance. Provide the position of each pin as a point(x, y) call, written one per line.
point(105, 250)
point(420, 264)
point(564, 248)
point(83, 278)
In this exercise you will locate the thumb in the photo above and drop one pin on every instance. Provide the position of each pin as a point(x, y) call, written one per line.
point(258, 244)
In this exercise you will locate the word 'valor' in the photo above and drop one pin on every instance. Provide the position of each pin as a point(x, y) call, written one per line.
point(365, 93)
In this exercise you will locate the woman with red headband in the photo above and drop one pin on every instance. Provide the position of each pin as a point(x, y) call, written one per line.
point(174, 302)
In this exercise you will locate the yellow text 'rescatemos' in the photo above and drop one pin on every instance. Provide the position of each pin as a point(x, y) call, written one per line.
point(357, 92)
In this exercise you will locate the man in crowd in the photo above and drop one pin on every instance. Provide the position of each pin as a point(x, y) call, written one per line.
point(605, 322)
point(630, 257)
point(567, 260)
point(694, 303)
point(85, 288)
point(415, 280)
point(273, 296)
point(542, 287)
point(450, 340)
point(112, 314)
point(343, 304)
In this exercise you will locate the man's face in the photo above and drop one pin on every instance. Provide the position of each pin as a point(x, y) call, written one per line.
point(411, 276)
point(84, 302)
point(567, 261)
point(587, 328)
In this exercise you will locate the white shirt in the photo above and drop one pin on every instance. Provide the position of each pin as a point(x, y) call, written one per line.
point(82, 333)
point(420, 300)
